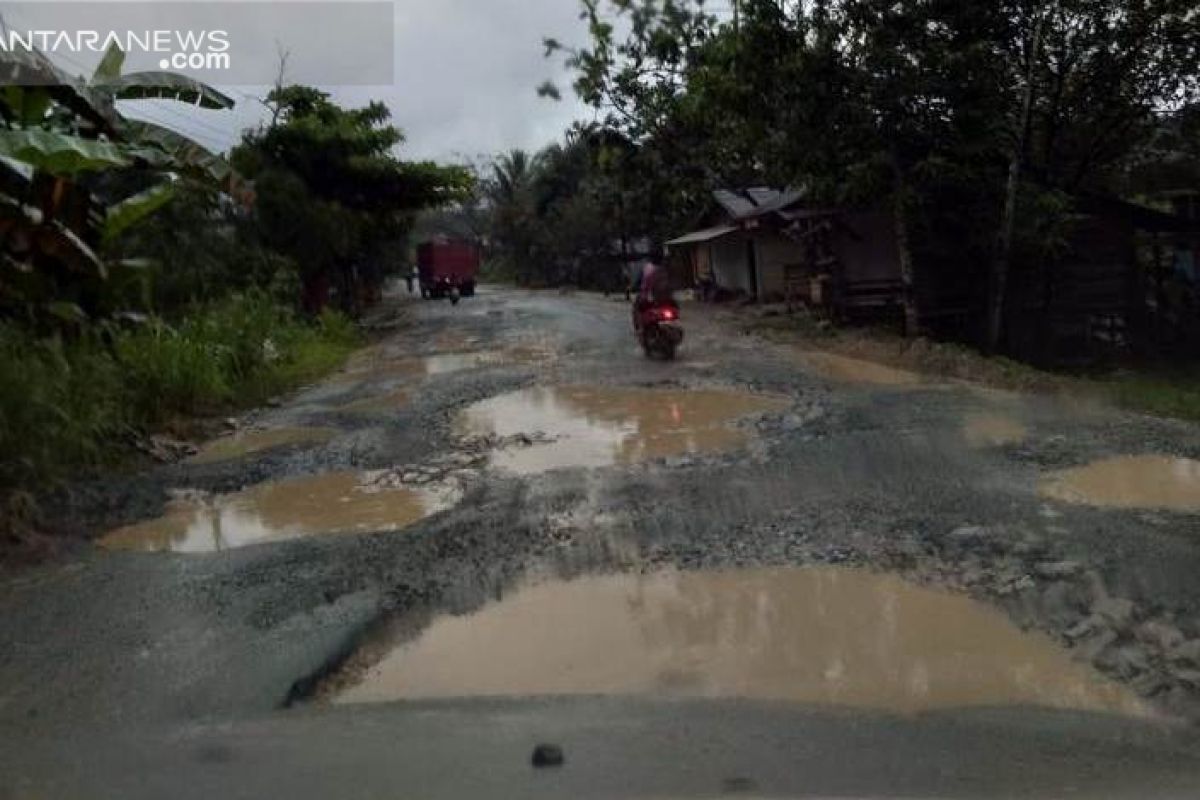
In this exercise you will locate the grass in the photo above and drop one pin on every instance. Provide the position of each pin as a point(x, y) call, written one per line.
point(1148, 390)
point(1165, 395)
point(70, 406)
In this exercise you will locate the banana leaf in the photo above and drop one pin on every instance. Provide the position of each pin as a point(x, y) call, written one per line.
point(109, 67)
point(31, 68)
point(58, 241)
point(133, 209)
point(178, 152)
point(60, 153)
point(164, 86)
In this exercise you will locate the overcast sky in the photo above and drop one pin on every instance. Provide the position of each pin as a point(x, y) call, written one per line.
point(466, 74)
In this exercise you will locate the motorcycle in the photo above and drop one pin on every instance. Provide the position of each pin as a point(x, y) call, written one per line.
point(658, 330)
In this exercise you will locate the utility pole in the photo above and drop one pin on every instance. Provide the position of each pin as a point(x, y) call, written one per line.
point(737, 18)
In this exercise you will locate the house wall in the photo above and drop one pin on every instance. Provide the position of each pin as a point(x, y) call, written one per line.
point(775, 251)
point(730, 268)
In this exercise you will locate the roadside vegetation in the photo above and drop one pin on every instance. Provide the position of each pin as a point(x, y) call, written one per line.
point(145, 280)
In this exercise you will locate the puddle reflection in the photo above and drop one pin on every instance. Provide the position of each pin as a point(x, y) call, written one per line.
point(250, 442)
point(596, 427)
point(1145, 481)
point(322, 504)
point(822, 636)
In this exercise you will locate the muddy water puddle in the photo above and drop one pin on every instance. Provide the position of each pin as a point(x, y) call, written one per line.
point(1144, 481)
point(246, 443)
point(844, 369)
point(386, 364)
point(596, 427)
point(379, 404)
point(818, 636)
point(340, 502)
point(993, 430)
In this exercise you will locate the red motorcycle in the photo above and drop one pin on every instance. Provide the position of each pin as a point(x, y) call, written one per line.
point(658, 330)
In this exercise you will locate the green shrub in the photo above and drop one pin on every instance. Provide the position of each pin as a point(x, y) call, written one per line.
point(168, 370)
point(70, 406)
point(59, 405)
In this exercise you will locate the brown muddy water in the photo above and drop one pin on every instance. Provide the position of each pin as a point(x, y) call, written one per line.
point(339, 502)
point(376, 405)
point(993, 430)
point(810, 635)
point(1145, 481)
point(389, 364)
point(597, 427)
point(844, 369)
point(246, 443)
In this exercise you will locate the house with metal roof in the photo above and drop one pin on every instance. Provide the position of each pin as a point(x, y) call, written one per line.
point(767, 244)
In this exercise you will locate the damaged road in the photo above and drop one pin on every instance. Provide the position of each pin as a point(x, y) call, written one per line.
point(496, 451)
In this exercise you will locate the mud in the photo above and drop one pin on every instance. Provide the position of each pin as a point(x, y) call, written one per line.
point(824, 636)
point(581, 426)
point(844, 369)
point(247, 443)
point(377, 404)
point(849, 474)
point(1145, 481)
point(343, 502)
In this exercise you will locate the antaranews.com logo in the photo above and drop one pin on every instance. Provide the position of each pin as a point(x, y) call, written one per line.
point(176, 49)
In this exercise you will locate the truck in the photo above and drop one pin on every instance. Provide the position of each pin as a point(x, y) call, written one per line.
point(447, 268)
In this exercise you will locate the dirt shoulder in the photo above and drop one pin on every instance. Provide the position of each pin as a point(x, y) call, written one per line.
point(1161, 391)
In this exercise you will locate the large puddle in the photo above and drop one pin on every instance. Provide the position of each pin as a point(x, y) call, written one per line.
point(818, 636)
point(340, 502)
point(250, 442)
point(1146, 481)
point(596, 427)
point(853, 370)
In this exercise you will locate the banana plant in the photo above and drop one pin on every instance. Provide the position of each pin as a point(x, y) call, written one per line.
point(58, 135)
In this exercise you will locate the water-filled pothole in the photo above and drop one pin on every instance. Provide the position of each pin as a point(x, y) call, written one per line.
point(376, 404)
point(339, 502)
point(249, 442)
point(818, 636)
point(1146, 481)
point(844, 369)
point(600, 426)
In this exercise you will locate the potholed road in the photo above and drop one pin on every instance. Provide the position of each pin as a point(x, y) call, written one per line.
point(786, 573)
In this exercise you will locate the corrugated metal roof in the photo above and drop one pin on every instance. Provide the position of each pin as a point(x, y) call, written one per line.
point(761, 195)
point(734, 203)
point(755, 201)
point(706, 235)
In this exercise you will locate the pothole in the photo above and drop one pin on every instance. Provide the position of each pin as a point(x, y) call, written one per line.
point(1145, 481)
point(244, 443)
point(339, 502)
point(385, 364)
point(378, 404)
point(581, 426)
point(811, 635)
point(844, 369)
point(993, 430)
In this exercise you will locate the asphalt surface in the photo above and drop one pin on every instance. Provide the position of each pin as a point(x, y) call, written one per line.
point(139, 668)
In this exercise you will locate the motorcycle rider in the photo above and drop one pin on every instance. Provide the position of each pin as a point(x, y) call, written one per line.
point(653, 290)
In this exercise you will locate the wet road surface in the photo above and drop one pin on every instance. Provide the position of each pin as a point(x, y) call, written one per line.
point(751, 521)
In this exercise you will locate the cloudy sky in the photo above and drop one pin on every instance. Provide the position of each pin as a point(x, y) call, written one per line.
point(466, 74)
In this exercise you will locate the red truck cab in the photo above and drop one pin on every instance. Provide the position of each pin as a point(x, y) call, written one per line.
point(447, 268)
